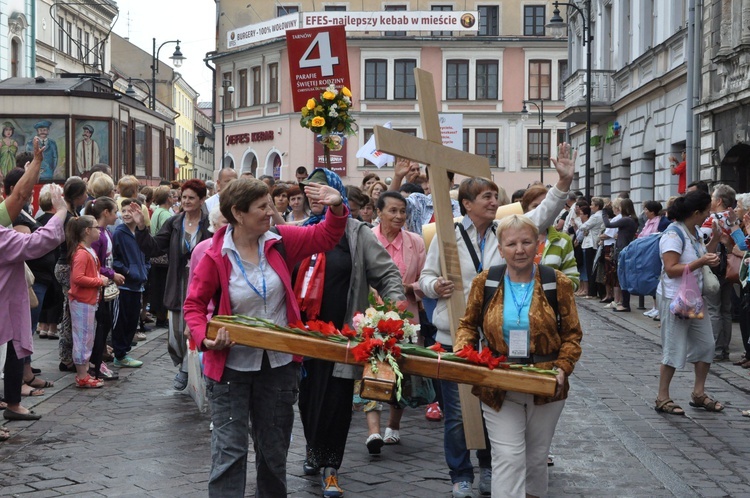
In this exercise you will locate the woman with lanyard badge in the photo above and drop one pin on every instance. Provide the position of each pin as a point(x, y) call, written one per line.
point(177, 238)
point(246, 271)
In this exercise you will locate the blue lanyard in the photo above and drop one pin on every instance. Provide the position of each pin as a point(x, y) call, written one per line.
point(262, 274)
point(481, 252)
point(522, 303)
point(195, 234)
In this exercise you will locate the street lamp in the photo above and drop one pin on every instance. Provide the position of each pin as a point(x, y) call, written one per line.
point(557, 26)
point(202, 140)
point(228, 88)
point(130, 92)
point(525, 116)
point(177, 59)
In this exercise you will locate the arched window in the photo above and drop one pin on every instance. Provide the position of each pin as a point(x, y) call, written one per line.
point(15, 58)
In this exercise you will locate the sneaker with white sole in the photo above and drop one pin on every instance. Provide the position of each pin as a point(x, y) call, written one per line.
point(485, 481)
point(374, 443)
point(329, 481)
point(462, 489)
point(127, 362)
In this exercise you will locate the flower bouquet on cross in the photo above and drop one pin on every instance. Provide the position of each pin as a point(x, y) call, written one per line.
point(330, 117)
point(381, 329)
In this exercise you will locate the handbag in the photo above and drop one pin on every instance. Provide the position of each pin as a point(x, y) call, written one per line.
point(33, 301)
point(711, 283)
point(688, 303)
point(110, 291)
point(734, 263)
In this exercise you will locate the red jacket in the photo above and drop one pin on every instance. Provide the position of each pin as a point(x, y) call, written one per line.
point(84, 277)
point(211, 278)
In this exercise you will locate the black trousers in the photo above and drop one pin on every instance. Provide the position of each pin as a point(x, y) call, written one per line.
point(104, 318)
point(13, 376)
point(325, 407)
point(127, 322)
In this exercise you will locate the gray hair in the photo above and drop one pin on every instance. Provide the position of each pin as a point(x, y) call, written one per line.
point(213, 218)
point(744, 200)
point(726, 194)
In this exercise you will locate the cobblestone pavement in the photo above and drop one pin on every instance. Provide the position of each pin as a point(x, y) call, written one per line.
point(138, 437)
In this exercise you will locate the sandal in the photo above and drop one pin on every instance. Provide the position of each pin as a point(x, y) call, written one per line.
point(27, 390)
point(391, 436)
point(4, 434)
point(41, 383)
point(706, 402)
point(669, 406)
point(89, 382)
point(374, 443)
point(746, 413)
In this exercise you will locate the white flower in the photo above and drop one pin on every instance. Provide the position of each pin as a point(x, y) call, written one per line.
point(332, 113)
point(347, 100)
point(392, 315)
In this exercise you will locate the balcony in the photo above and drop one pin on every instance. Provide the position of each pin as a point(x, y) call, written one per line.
point(602, 97)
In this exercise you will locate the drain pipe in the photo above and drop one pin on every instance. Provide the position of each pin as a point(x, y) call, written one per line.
point(213, 100)
point(689, 98)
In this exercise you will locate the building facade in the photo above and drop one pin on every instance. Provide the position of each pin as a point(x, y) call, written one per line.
point(16, 39)
point(483, 75)
point(638, 95)
point(184, 100)
point(204, 152)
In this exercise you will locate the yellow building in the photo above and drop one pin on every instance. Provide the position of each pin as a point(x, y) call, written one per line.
point(184, 100)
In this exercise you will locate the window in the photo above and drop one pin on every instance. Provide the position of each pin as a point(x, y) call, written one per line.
point(96, 51)
point(156, 148)
point(376, 78)
point(395, 8)
point(540, 80)
point(282, 10)
point(457, 84)
point(226, 83)
point(61, 34)
point(533, 20)
point(562, 75)
point(15, 57)
point(80, 44)
point(273, 82)
point(335, 8)
point(442, 8)
point(538, 149)
point(486, 80)
point(243, 87)
point(256, 85)
point(488, 20)
point(404, 86)
point(486, 145)
point(69, 36)
point(561, 136)
point(140, 149)
point(124, 170)
point(465, 135)
point(86, 38)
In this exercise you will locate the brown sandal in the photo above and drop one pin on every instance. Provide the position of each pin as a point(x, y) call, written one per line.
point(706, 402)
point(669, 406)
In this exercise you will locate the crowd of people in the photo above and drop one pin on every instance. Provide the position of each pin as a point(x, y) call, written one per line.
point(99, 261)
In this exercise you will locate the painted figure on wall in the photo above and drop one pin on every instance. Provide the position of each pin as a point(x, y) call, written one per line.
point(8, 149)
point(87, 150)
point(49, 161)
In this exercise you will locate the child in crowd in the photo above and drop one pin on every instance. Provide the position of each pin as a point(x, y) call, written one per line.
point(104, 209)
point(85, 282)
point(131, 262)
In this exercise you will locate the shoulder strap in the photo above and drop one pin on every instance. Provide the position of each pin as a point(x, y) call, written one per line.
point(549, 286)
point(678, 232)
point(280, 244)
point(470, 247)
point(495, 277)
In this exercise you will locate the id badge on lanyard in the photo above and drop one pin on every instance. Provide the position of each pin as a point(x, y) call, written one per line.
point(518, 346)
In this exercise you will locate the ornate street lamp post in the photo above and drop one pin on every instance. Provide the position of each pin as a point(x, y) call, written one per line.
point(525, 116)
point(177, 59)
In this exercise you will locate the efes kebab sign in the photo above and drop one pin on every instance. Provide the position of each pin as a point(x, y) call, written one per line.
point(460, 21)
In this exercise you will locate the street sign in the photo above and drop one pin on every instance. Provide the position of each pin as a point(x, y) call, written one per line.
point(317, 58)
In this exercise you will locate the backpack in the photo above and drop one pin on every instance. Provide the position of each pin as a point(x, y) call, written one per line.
point(496, 275)
point(639, 264)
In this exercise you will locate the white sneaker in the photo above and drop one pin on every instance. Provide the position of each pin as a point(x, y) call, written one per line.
point(651, 313)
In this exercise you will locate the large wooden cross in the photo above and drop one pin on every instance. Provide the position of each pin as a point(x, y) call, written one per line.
point(441, 159)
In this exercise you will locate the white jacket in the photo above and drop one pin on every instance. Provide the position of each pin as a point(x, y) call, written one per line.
point(544, 215)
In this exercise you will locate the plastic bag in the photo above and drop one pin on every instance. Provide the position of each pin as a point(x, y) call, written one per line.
point(688, 303)
point(196, 384)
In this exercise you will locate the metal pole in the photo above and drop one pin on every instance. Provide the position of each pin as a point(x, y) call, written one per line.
point(153, 77)
point(541, 126)
point(587, 36)
point(221, 164)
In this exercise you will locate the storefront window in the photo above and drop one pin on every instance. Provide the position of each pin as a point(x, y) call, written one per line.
point(140, 149)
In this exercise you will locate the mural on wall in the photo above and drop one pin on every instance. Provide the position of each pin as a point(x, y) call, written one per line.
point(18, 135)
point(91, 144)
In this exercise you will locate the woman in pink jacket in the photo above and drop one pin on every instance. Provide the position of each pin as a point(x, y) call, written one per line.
point(247, 271)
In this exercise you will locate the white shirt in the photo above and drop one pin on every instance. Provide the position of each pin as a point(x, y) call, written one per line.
point(612, 232)
point(212, 202)
point(692, 250)
point(246, 302)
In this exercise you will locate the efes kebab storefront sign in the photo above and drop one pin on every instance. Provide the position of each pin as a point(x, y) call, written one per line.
point(461, 21)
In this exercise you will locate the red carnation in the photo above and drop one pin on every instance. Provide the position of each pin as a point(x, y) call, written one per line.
point(349, 332)
point(437, 347)
point(298, 324)
point(391, 327)
point(362, 351)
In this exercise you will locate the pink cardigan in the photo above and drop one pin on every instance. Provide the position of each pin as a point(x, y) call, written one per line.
point(15, 309)
point(414, 254)
point(210, 280)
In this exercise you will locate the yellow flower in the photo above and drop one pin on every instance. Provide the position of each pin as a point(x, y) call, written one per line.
point(329, 95)
point(346, 92)
point(305, 112)
point(311, 104)
point(317, 122)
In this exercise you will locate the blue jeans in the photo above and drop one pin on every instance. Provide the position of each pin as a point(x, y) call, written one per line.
point(457, 456)
point(266, 397)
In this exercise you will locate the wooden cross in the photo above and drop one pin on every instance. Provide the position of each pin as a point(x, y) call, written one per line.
point(441, 160)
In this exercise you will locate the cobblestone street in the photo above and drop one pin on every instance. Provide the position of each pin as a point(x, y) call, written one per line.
point(138, 437)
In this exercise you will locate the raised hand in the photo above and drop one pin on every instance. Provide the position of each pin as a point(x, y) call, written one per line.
point(565, 165)
point(323, 194)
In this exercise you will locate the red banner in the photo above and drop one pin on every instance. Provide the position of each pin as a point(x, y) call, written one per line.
point(317, 58)
point(338, 157)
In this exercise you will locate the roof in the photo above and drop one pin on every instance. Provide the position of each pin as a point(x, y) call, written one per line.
point(83, 83)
